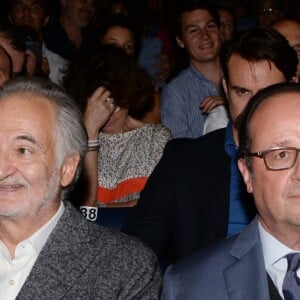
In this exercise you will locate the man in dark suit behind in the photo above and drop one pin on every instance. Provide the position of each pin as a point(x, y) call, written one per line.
point(195, 195)
point(47, 249)
point(263, 261)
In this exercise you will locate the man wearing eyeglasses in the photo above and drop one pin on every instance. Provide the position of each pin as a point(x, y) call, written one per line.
point(263, 261)
point(195, 195)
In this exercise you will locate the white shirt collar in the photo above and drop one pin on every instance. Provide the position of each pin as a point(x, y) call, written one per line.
point(14, 272)
point(273, 249)
point(274, 253)
point(39, 238)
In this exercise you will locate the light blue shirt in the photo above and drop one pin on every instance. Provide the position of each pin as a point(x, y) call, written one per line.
point(180, 100)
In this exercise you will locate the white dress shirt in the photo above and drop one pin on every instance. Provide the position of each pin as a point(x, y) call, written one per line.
point(274, 256)
point(216, 119)
point(57, 65)
point(13, 272)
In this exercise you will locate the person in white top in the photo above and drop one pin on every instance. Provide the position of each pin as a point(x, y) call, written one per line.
point(34, 14)
point(48, 250)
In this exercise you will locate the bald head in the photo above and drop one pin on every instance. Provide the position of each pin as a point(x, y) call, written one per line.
point(291, 30)
point(5, 66)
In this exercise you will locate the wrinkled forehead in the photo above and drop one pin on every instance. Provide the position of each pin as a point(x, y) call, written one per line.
point(21, 100)
point(27, 112)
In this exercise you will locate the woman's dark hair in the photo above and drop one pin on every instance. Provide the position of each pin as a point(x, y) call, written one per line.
point(124, 21)
point(108, 66)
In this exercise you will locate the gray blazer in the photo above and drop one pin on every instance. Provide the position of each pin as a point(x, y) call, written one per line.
point(234, 270)
point(81, 260)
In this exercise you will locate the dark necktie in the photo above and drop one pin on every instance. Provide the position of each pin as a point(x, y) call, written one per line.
point(291, 282)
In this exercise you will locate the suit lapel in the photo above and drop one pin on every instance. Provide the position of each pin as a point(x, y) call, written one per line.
point(62, 260)
point(246, 278)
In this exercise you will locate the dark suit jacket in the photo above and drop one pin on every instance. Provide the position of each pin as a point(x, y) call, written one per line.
point(186, 199)
point(234, 270)
point(81, 260)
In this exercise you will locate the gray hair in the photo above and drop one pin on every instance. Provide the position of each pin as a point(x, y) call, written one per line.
point(69, 130)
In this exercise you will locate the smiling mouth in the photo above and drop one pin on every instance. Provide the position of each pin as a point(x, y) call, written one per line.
point(205, 46)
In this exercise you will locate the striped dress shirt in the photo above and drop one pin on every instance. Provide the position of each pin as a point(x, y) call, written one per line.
point(180, 100)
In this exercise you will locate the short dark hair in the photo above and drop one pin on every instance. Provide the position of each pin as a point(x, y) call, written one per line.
point(189, 6)
point(261, 43)
point(244, 119)
point(130, 86)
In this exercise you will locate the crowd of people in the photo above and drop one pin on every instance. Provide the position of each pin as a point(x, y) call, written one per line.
point(148, 149)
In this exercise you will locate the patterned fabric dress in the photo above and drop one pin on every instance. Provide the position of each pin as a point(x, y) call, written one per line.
point(126, 160)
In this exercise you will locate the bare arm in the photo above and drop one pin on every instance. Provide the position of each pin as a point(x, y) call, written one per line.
point(98, 111)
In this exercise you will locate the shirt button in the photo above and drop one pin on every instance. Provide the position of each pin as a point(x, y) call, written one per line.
point(3, 254)
point(11, 282)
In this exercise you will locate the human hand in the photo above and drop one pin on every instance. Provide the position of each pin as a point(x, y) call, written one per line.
point(100, 107)
point(210, 102)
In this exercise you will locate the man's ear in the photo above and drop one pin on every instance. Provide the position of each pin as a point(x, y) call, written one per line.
point(180, 42)
point(68, 169)
point(247, 176)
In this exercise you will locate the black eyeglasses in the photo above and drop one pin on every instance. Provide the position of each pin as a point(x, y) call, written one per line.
point(278, 158)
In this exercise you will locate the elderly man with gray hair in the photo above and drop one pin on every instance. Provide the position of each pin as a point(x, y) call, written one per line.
point(47, 249)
